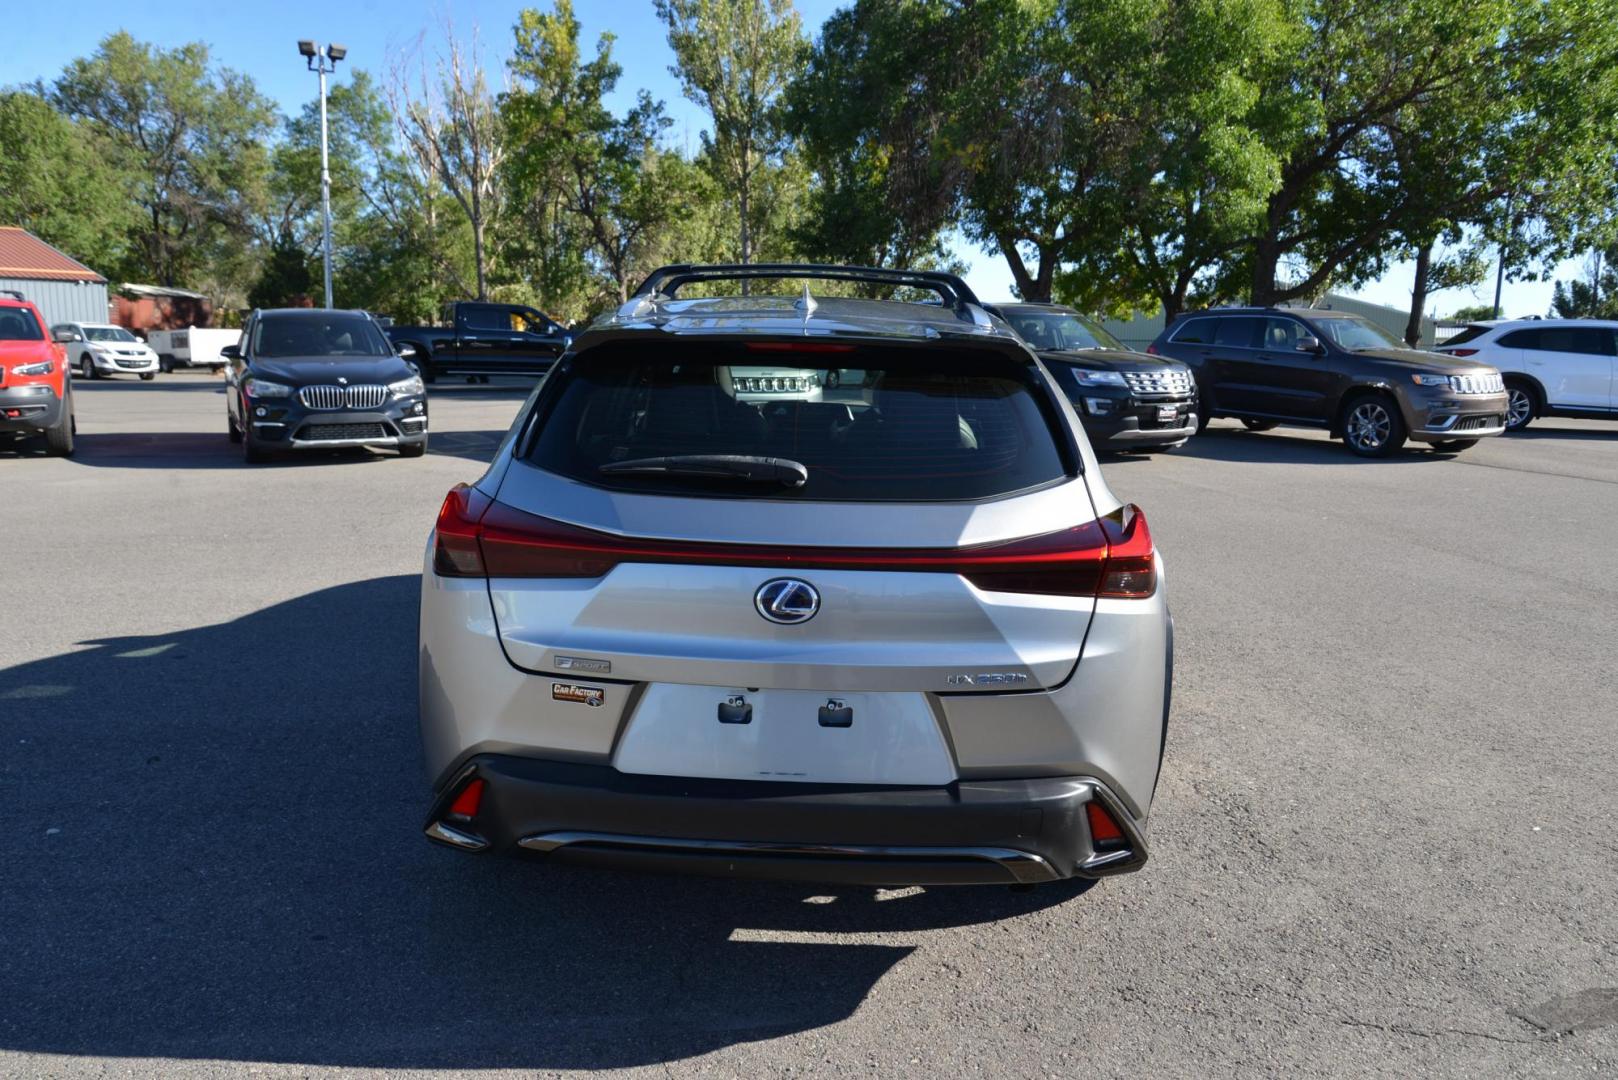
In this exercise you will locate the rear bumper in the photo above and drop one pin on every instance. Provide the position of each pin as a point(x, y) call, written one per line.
point(30, 408)
point(971, 832)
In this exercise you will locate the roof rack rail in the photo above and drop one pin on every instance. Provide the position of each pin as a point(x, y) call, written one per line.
point(14, 293)
point(665, 281)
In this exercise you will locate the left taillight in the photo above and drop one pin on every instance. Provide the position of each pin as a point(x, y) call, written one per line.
point(456, 550)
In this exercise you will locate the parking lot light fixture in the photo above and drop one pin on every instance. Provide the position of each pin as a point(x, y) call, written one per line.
point(322, 59)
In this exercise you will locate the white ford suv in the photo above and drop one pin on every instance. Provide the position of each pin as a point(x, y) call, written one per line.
point(897, 633)
point(1552, 367)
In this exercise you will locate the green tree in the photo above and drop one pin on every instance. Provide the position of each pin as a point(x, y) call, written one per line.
point(57, 182)
point(876, 198)
point(735, 58)
point(595, 184)
point(286, 279)
point(192, 139)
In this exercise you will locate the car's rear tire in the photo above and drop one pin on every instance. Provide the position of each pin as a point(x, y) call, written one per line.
point(59, 436)
point(1454, 446)
point(1522, 404)
point(148, 376)
point(165, 364)
point(1261, 425)
point(1372, 425)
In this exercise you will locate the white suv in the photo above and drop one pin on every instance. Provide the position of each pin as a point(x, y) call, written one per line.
point(95, 350)
point(898, 633)
point(1552, 367)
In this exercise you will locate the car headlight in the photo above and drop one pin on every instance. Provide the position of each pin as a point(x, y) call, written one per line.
point(1086, 377)
point(259, 388)
point(44, 367)
point(1431, 380)
point(407, 387)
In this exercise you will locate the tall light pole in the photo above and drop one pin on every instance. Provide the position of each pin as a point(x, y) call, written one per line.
point(323, 60)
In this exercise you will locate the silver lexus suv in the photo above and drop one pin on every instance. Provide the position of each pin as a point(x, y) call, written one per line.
point(898, 633)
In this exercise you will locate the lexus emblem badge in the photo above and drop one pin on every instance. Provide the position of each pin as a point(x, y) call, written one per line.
point(787, 601)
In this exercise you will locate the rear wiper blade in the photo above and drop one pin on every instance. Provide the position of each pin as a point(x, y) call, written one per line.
point(783, 471)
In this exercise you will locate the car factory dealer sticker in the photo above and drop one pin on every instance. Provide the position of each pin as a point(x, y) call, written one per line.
point(582, 695)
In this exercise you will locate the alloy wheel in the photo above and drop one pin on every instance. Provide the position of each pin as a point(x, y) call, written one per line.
point(1519, 408)
point(1369, 425)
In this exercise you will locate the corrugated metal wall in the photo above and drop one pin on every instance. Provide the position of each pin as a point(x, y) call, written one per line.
point(63, 301)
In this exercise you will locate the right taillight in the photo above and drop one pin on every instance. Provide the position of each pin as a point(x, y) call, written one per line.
point(1131, 571)
point(1461, 352)
point(1111, 557)
point(1151, 350)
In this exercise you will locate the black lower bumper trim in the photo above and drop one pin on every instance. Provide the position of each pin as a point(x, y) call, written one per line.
point(971, 832)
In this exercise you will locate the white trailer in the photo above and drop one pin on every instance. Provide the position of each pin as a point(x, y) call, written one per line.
point(190, 348)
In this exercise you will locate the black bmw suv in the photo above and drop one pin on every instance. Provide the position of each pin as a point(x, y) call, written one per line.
point(1126, 400)
point(1333, 370)
point(316, 379)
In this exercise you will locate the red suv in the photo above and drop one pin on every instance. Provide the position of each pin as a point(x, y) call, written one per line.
point(35, 396)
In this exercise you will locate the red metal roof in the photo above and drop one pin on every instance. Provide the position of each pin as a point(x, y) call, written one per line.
point(24, 255)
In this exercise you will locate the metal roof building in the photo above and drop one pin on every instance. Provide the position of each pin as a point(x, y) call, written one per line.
point(64, 289)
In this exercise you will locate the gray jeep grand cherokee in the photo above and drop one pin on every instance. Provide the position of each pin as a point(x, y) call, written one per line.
point(899, 633)
point(1328, 369)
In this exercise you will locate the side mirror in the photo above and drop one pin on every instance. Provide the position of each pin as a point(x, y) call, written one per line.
point(67, 336)
point(406, 352)
point(231, 352)
point(1309, 345)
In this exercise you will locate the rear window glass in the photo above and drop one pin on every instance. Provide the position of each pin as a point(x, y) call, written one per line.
point(1470, 333)
point(891, 426)
point(1195, 332)
point(19, 324)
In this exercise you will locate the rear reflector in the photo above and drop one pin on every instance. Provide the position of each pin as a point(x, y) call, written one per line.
point(1111, 557)
point(1104, 830)
point(467, 802)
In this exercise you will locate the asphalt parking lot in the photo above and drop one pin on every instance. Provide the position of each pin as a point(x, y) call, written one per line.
point(1384, 836)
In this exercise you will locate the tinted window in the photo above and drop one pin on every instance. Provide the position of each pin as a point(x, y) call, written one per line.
point(1194, 332)
point(1592, 340)
point(337, 334)
point(1471, 333)
point(1239, 333)
point(1351, 332)
point(19, 324)
point(1520, 339)
point(1281, 335)
point(484, 317)
point(1061, 331)
point(920, 426)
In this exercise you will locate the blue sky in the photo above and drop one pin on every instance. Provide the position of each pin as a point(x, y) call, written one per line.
point(260, 39)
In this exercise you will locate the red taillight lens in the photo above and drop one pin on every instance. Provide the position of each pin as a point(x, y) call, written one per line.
point(1462, 352)
point(455, 546)
point(1131, 572)
point(467, 802)
point(1105, 832)
point(1151, 350)
point(1107, 558)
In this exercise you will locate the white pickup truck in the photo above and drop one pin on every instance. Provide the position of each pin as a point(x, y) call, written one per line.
point(191, 347)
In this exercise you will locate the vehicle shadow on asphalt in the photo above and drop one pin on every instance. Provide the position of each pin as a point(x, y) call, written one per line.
point(1235, 444)
point(133, 385)
point(213, 851)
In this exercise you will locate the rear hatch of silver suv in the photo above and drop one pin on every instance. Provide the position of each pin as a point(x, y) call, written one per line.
point(784, 589)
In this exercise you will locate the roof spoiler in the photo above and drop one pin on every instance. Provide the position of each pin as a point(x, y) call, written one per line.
point(14, 294)
point(664, 282)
